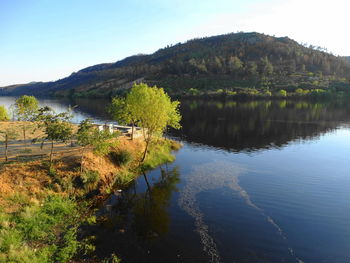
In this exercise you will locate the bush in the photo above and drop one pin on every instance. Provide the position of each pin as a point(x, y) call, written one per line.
point(40, 233)
point(90, 179)
point(123, 178)
point(3, 114)
point(282, 93)
point(102, 148)
point(121, 158)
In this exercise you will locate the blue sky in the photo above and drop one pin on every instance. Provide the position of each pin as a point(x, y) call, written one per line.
point(45, 40)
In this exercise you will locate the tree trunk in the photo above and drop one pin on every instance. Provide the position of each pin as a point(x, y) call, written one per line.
point(132, 130)
point(51, 152)
point(6, 146)
point(145, 152)
point(82, 160)
point(24, 136)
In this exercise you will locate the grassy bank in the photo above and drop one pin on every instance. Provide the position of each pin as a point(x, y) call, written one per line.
point(43, 207)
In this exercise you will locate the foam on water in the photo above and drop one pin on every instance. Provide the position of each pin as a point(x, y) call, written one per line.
point(210, 176)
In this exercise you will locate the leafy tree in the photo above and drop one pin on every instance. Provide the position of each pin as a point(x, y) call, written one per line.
point(154, 110)
point(26, 108)
point(299, 91)
point(282, 93)
point(253, 69)
point(3, 114)
point(56, 126)
point(266, 67)
point(9, 134)
point(122, 110)
point(234, 65)
point(88, 135)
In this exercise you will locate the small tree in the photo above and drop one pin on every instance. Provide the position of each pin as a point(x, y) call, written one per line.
point(56, 126)
point(123, 111)
point(154, 110)
point(282, 93)
point(26, 108)
point(9, 134)
point(3, 114)
point(88, 135)
point(85, 137)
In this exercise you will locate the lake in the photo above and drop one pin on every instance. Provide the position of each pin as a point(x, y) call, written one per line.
point(256, 181)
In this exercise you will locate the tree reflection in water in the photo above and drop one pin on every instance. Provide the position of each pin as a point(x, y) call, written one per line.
point(144, 213)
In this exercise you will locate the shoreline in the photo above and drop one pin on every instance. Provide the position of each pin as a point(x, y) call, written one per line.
point(34, 185)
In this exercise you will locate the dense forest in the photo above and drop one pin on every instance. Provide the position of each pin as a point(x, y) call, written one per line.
point(231, 62)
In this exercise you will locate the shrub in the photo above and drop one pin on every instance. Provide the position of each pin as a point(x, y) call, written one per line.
point(90, 179)
point(268, 93)
point(121, 158)
point(49, 228)
point(3, 114)
point(282, 93)
point(102, 148)
point(123, 178)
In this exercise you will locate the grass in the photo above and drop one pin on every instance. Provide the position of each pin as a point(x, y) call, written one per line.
point(40, 232)
point(121, 157)
point(90, 179)
point(41, 205)
point(160, 152)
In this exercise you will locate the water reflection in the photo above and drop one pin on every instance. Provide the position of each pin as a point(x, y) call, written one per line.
point(254, 125)
point(137, 214)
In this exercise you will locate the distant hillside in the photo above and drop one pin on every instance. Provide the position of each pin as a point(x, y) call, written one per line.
point(348, 59)
point(244, 60)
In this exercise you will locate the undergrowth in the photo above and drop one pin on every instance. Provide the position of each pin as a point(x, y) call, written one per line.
point(40, 232)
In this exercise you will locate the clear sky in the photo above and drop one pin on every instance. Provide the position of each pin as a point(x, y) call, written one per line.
point(42, 40)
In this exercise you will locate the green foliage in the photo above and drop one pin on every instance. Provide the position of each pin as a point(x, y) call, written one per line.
point(112, 259)
point(90, 179)
point(88, 135)
point(237, 60)
point(120, 111)
point(193, 91)
point(153, 108)
point(39, 233)
point(3, 114)
point(282, 93)
point(268, 93)
point(56, 126)
point(159, 153)
point(124, 177)
point(299, 91)
point(121, 158)
point(26, 107)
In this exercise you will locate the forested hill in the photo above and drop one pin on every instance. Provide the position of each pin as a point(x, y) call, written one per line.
point(231, 61)
point(348, 58)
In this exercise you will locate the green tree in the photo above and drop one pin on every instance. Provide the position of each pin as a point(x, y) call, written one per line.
point(3, 114)
point(56, 126)
point(252, 69)
point(282, 93)
point(266, 67)
point(122, 110)
point(234, 65)
point(88, 135)
point(154, 110)
point(26, 108)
